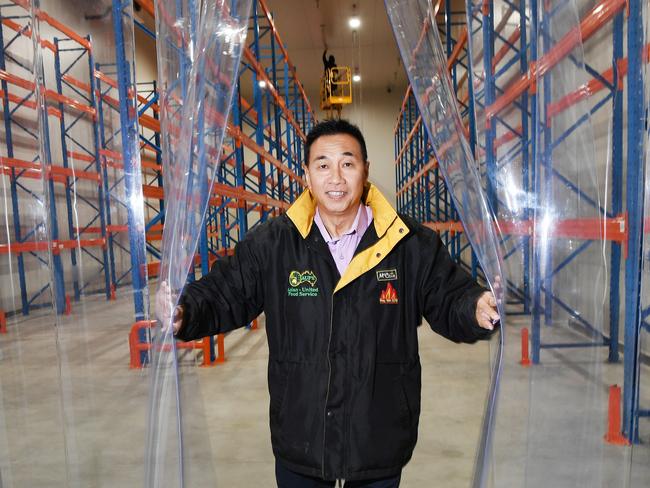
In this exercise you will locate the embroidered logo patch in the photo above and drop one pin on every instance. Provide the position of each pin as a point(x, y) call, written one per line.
point(302, 284)
point(388, 296)
point(386, 274)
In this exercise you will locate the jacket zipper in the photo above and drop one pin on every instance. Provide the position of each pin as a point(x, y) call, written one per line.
point(329, 377)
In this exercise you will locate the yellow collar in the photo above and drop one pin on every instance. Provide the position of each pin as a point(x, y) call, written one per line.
point(303, 210)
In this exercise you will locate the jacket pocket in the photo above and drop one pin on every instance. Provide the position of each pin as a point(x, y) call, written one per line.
point(279, 373)
point(384, 423)
point(406, 415)
point(296, 417)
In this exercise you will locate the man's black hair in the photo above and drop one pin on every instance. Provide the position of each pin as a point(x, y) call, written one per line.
point(332, 127)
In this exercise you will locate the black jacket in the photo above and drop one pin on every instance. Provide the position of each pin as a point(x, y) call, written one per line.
point(344, 370)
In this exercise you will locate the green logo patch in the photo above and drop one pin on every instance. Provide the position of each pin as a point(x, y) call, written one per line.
point(302, 284)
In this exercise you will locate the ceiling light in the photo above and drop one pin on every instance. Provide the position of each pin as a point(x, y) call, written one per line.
point(356, 78)
point(261, 84)
point(354, 22)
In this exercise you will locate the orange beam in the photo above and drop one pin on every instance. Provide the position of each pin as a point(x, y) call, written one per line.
point(16, 80)
point(425, 28)
point(239, 193)
point(55, 246)
point(451, 226)
point(145, 120)
point(114, 229)
point(507, 137)
point(238, 135)
point(432, 164)
point(147, 6)
point(409, 138)
point(49, 94)
point(44, 17)
point(29, 104)
point(514, 37)
point(595, 18)
point(251, 111)
point(69, 102)
point(609, 229)
point(51, 172)
point(81, 157)
point(222, 190)
point(106, 79)
point(261, 74)
point(401, 111)
point(269, 18)
point(63, 29)
point(27, 32)
point(458, 48)
point(594, 85)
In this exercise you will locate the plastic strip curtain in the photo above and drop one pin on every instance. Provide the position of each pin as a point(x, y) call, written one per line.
point(199, 50)
point(549, 191)
point(24, 275)
point(74, 278)
point(417, 36)
point(640, 451)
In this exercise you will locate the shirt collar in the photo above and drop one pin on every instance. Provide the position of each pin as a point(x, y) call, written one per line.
point(302, 211)
point(359, 225)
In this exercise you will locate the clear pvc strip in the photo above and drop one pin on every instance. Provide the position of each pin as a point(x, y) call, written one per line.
point(568, 394)
point(30, 409)
point(549, 173)
point(549, 190)
point(199, 50)
point(640, 422)
point(417, 35)
point(73, 412)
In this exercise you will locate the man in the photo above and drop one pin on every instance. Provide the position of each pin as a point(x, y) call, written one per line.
point(329, 67)
point(329, 62)
point(344, 282)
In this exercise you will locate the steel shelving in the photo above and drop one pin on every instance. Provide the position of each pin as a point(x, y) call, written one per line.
point(109, 154)
point(504, 97)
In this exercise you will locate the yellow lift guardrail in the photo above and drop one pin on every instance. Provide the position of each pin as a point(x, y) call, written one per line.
point(335, 90)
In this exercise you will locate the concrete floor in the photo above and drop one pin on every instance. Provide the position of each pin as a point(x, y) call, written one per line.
point(73, 413)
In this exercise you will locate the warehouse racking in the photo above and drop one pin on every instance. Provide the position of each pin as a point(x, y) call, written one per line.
point(506, 114)
point(109, 153)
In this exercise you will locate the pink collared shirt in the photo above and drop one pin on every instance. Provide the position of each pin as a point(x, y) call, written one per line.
point(343, 247)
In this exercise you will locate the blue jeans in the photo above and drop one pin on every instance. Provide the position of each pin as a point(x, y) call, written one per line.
point(288, 479)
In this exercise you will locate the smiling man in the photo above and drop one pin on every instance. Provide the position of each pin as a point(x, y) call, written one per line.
point(344, 282)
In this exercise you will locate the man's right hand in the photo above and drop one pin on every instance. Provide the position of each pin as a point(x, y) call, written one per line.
point(164, 305)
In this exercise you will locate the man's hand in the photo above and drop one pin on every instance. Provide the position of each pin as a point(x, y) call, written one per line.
point(164, 306)
point(486, 311)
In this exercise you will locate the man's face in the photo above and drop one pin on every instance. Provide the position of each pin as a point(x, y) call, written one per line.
point(336, 174)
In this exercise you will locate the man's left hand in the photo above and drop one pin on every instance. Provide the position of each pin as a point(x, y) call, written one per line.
point(486, 311)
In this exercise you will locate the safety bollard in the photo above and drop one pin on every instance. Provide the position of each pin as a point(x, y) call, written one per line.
point(221, 349)
point(68, 305)
point(614, 434)
point(525, 357)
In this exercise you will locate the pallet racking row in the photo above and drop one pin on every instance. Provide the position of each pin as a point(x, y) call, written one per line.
point(420, 188)
point(109, 149)
point(500, 83)
point(261, 161)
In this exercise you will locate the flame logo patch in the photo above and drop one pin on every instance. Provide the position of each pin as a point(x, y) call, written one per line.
point(388, 296)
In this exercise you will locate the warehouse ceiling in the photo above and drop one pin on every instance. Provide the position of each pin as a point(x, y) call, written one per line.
point(307, 26)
